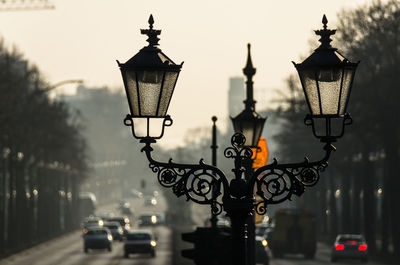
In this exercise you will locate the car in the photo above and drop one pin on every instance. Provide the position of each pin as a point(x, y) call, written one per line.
point(123, 221)
point(150, 201)
point(97, 238)
point(135, 193)
point(261, 252)
point(140, 241)
point(116, 230)
point(91, 221)
point(151, 219)
point(349, 246)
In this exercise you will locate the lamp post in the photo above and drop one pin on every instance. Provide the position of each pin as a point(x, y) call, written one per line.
point(250, 124)
point(150, 77)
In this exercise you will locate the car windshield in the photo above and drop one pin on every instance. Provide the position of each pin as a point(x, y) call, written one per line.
point(139, 236)
point(354, 238)
point(119, 220)
point(96, 232)
point(112, 226)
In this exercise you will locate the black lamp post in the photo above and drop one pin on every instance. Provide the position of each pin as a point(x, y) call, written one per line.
point(150, 72)
point(249, 122)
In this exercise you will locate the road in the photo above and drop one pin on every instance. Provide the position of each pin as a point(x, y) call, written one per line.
point(68, 249)
point(322, 257)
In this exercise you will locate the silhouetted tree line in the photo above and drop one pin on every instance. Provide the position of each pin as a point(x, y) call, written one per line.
point(358, 192)
point(42, 158)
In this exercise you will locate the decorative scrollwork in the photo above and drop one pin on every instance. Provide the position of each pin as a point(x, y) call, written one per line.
point(200, 183)
point(276, 182)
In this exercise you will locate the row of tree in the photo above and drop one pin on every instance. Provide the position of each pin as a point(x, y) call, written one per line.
point(42, 158)
point(358, 193)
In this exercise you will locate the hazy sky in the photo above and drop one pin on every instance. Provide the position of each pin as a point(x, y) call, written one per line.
point(83, 38)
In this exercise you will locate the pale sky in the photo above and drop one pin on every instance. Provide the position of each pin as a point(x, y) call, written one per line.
point(81, 39)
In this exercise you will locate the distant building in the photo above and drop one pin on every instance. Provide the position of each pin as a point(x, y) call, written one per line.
point(236, 96)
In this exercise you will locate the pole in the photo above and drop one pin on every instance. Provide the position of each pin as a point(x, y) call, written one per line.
point(214, 148)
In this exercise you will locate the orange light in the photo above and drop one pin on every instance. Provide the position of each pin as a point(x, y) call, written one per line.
point(339, 247)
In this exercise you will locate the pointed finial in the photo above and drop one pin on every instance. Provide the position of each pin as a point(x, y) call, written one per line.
point(325, 34)
point(151, 33)
point(151, 21)
point(324, 21)
point(249, 70)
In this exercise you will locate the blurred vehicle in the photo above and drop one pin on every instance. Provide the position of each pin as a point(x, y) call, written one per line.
point(349, 246)
point(150, 201)
point(294, 233)
point(123, 221)
point(87, 204)
point(105, 215)
point(136, 194)
point(265, 230)
point(140, 241)
point(116, 230)
point(151, 219)
point(92, 221)
point(221, 222)
point(97, 238)
point(261, 251)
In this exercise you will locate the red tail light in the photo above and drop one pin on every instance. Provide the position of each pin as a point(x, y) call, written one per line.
point(362, 247)
point(339, 247)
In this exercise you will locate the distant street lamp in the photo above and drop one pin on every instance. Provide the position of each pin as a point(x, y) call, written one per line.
point(149, 79)
point(249, 122)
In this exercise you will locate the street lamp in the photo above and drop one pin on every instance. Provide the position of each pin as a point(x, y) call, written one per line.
point(149, 79)
point(207, 184)
point(327, 77)
point(249, 122)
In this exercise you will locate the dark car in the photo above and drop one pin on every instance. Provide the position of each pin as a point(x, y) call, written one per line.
point(140, 241)
point(349, 246)
point(97, 238)
point(116, 230)
point(151, 219)
point(261, 251)
point(123, 221)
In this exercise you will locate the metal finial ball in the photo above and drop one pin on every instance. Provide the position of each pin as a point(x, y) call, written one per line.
point(214, 118)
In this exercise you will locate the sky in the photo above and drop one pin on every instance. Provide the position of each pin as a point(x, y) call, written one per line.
point(82, 39)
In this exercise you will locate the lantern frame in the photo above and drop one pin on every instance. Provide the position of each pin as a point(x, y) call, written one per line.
point(340, 73)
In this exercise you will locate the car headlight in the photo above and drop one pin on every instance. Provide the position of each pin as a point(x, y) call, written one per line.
point(264, 243)
point(110, 237)
point(101, 223)
point(154, 219)
point(153, 243)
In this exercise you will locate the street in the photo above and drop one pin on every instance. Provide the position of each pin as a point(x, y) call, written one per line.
point(322, 257)
point(68, 249)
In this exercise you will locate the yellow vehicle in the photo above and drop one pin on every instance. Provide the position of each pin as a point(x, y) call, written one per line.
point(294, 233)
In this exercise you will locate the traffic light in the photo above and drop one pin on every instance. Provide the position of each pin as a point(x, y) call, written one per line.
point(211, 246)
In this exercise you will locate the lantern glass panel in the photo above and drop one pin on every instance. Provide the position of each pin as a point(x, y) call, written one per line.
point(167, 90)
point(347, 81)
point(329, 82)
point(132, 91)
point(149, 91)
point(247, 129)
point(307, 77)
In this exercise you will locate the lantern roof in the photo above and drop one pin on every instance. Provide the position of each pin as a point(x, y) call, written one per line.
point(325, 54)
point(151, 57)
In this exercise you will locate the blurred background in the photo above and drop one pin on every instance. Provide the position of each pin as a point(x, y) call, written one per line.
point(65, 153)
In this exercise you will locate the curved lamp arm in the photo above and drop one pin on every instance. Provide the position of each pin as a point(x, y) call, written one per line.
point(275, 182)
point(200, 183)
